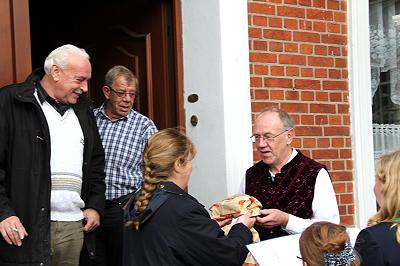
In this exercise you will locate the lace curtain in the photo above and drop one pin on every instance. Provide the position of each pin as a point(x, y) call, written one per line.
point(385, 55)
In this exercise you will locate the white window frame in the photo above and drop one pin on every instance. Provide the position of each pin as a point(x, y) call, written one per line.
point(361, 111)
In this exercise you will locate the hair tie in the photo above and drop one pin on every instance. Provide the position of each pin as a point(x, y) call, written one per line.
point(345, 257)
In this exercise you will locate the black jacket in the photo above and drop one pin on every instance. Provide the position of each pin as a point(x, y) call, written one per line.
point(25, 180)
point(176, 230)
point(377, 245)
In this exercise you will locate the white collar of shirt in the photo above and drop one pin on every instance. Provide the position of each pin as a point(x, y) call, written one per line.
point(294, 153)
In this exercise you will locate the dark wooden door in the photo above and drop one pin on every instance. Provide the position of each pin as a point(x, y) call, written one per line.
point(136, 33)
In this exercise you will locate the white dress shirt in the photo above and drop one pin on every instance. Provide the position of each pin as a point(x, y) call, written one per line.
point(324, 205)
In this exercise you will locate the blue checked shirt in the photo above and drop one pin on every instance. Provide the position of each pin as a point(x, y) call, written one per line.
point(123, 140)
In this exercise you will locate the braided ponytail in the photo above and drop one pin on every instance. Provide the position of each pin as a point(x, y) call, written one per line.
point(161, 152)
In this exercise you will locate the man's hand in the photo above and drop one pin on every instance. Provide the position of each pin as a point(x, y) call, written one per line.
point(92, 219)
point(223, 221)
point(272, 218)
point(12, 230)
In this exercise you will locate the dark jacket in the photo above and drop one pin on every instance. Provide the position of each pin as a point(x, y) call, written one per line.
point(176, 230)
point(377, 245)
point(25, 179)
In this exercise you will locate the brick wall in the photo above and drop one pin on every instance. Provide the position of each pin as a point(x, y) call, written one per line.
point(298, 62)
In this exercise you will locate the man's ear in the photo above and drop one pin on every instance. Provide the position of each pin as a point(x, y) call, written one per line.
point(290, 135)
point(106, 92)
point(55, 72)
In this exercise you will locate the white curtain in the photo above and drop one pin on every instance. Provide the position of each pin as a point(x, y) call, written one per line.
point(386, 138)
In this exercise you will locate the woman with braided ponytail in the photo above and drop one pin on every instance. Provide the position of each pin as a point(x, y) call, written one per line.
point(327, 244)
point(379, 244)
point(167, 226)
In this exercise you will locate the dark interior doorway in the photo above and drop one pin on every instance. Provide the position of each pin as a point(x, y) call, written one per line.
point(136, 33)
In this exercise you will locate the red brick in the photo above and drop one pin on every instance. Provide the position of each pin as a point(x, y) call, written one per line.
point(260, 45)
point(276, 47)
point(307, 96)
point(338, 142)
point(309, 143)
point(342, 208)
point(338, 165)
point(335, 85)
point(291, 2)
point(307, 120)
point(336, 131)
point(260, 21)
point(288, 59)
point(306, 48)
point(295, 108)
point(343, 6)
point(344, 29)
point(341, 176)
point(334, 39)
point(339, 187)
point(261, 70)
point(335, 97)
point(343, 108)
point(349, 187)
point(296, 143)
point(344, 50)
point(323, 143)
point(277, 34)
point(334, 51)
point(260, 106)
point(345, 74)
point(292, 71)
point(321, 96)
point(340, 16)
point(311, 37)
point(286, 11)
point(277, 94)
point(263, 57)
point(277, 71)
point(349, 164)
point(307, 72)
point(320, 61)
point(261, 9)
point(308, 130)
point(323, 108)
point(340, 62)
point(346, 199)
point(345, 154)
point(333, 4)
point(350, 209)
point(321, 119)
point(346, 120)
point(305, 24)
point(309, 84)
point(334, 28)
point(319, 14)
point(335, 120)
point(304, 2)
point(255, 32)
point(319, 26)
point(291, 95)
point(347, 220)
point(278, 82)
point(319, 3)
point(321, 73)
point(324, 154)
point(290, 24)
point(261, 94)
point(321, 50)
point(291, 47)
point(255, 82)
point(335, 74)
point(275, 22)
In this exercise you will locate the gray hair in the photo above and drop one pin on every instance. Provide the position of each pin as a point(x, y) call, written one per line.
point(117, 71)
point(60, 56)
point(286, 119)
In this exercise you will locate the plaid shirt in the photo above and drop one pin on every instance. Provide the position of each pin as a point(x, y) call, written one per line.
point(123, 140)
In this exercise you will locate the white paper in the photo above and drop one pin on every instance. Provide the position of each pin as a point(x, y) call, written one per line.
point(284, 250)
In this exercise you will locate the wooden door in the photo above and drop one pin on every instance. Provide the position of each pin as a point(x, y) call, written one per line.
point(138, 34)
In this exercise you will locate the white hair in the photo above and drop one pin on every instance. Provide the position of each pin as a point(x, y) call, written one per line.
point(60, 56)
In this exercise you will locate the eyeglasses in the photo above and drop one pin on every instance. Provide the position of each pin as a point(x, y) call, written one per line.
point(267, 137)
point(122, 93)
point(300, 258)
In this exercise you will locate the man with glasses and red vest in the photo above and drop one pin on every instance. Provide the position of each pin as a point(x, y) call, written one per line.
point(295, 191)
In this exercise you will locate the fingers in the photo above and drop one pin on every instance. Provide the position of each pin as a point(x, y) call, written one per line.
point(13, 231)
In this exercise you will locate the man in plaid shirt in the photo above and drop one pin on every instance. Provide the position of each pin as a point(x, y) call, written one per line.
point(124, 133)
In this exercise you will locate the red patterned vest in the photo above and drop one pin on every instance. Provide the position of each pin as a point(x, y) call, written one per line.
point(292, 191)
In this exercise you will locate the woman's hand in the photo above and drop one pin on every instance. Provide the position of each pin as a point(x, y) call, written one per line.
point(247, 219)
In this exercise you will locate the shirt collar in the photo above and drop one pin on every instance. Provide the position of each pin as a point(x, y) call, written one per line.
point(294, 153)
point(102, 111)
point(44, 96)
